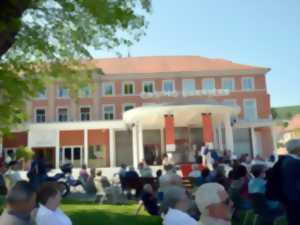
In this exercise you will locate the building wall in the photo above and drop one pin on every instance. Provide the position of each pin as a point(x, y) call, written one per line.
point(96, 101)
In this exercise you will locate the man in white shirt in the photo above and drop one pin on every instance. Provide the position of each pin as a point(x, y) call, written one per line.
point(49, 199)
point(214, 204)
point(175, 206)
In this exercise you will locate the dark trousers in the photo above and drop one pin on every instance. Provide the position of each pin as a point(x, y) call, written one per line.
point(292, 213)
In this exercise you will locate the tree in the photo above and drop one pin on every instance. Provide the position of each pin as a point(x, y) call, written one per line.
point(46, 40)
point(274, 113)
point(24, 155)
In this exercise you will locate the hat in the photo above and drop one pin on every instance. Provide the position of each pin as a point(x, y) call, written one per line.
point(208, 194)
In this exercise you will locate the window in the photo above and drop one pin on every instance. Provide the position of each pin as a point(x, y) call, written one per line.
point(127, 107)
point(43, 94)
point(73, 155)
point(40, 115)
point(148, 86)
point(108, 112)
point(108, 89)
point(250, 110)
point(228, 84)
point(188, 86)
point(62, 114)
point(208, 84)
point(248, 83)
point(97, 156)
point(128, 88)
point(168, 86)
point(230, 102)
point(85, 92)
point(62, 92)
point(85, 113)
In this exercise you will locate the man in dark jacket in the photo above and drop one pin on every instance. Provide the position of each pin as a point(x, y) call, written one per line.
point(289, 175)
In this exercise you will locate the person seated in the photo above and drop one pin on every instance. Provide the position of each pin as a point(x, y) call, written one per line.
point(170, 178)
point(48, 212)
point(239, 187)
point(20, 202)
point(175, 206)
point(214, 204)
point(144, 170)
point(257, 185)
point(195, 171)
point(12, 175)
point(149, 201)
point(131, 174)
point(89, 186)
point(204, 178)
point(83, 174)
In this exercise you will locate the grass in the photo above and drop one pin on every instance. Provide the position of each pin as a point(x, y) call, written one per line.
point(86, 213)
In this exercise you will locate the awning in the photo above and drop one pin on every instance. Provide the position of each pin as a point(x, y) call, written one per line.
point(152, 116)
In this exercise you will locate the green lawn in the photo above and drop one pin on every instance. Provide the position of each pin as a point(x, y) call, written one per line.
point(86, 213)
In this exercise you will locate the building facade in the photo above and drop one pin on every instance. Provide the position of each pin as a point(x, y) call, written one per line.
point(143, 107)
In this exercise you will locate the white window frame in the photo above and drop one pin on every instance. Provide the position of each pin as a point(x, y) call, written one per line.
point(43, 97)
point(85, 106)
point(184, 82)
point(104, 84)
point(127, 104)
point(57, 113)
point(123, 88)
point(62, 97)
point(146, 82)
point(256, 113)
point(173, 85)
point(252, 81)
point(35, 114)
point(103, 111)
point(227, 79)
point(209, 79)
point(72, 154)
point(84, 96)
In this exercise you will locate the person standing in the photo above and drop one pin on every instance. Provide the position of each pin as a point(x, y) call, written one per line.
point(285, 175)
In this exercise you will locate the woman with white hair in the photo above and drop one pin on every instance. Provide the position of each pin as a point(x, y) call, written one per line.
point(214, 204)
point(175, 206)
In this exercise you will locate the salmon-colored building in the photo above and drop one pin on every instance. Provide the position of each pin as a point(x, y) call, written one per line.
point(143, 107)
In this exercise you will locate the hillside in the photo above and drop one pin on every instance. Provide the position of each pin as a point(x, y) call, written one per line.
point(285, 113)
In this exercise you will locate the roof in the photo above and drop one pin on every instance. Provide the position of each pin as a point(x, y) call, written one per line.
point(165, 64)
point(294, 123)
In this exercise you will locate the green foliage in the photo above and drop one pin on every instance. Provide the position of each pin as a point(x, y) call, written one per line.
point(24, 153)
point(54, 38)
point(284, 113)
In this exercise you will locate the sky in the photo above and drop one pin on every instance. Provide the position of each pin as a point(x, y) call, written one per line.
point(255, 32)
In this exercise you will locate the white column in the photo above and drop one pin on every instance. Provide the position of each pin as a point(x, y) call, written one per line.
point(140, 143)
point(112, 148)
point(229, 134)
point(162, 141)
point(57, 145)
point(215, 141)
point(134, 146)
point(220, 137)
point(253, 142)
point(275, 152)
point(85, 148)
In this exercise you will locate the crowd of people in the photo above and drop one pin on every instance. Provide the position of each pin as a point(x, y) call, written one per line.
point(222, 185)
